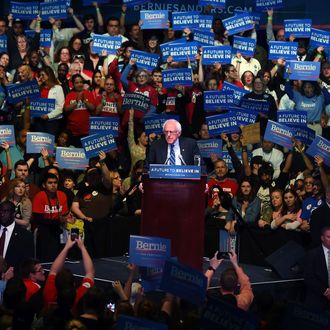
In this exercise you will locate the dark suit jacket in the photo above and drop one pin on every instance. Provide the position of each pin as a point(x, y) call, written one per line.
point(20, 246)
point(320, 218)
point(158, 151)
point(316, 278)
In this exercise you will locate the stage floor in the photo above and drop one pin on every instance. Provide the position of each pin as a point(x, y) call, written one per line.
point(112, 269)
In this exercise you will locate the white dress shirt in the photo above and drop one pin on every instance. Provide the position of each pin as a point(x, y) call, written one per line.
point(177, 152)
point(9, 232)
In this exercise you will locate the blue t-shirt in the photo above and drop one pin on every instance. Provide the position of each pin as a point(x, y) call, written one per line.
point(309, 205)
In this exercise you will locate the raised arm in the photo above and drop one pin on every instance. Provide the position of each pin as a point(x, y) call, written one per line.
point(87, 260)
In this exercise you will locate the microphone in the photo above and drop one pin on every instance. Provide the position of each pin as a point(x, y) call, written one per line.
point(182, 160)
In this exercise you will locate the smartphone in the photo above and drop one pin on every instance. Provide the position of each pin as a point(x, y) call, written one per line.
point(74, 233)
point(111, 307)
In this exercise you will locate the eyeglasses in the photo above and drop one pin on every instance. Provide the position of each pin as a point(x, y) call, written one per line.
point(170, 132)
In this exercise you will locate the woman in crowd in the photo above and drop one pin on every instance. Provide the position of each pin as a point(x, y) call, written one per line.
point(63, 56)
point(152, 45)
point(5, 173)
point(75, 46)
point(4, 60)
point(97, 86)
point(23, 206)
point(93, 61)
point(247, 80)
point(79, 105)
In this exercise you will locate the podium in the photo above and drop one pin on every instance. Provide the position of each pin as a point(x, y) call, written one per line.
point(174, 209)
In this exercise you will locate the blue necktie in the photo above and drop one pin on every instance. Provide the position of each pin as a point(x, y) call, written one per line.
point(172, 155)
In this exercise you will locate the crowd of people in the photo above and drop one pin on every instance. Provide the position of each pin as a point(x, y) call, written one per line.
point(271, 188)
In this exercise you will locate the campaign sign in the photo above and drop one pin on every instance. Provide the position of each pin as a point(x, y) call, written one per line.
point(145, 60)
point(226, 157)
point(245, 46)
point(238, 23)
point(174, 77)
point(154, 124)
point(302, 70)
point(204, 37)
point(216, 54)
point(210, 147)
point(42, 106)
point(136, 101)
point(108, 43)
point(165, 48)
point(255, 105)
point(99, 125)
point(186, 19)
point(218, 124)
point(303, 133)
point(128, 322)
point(95, 143)
point(180, 52)
point(205, 22)
point(24, 10)
point(214, 100)
point(71, 158)
point(320, 147)
point(219, 315)
point(161, 171)
point(46, 38)
point(7, 134)
point(300, 28)
point(149, 251)
point(245, 116)
point(154, 19)
point(279, 134)
point(30, 33)
point(184, 282)
point(36, 141)
point(282, 49)
point(264, 5)
point(150, 278)
point(57, 10)
point(319, 38)
point(237, 91)
point(18, 92)
point(292, 117)
point(255, 17)
point(132, 3)
point(214, 3)
point(3, 43)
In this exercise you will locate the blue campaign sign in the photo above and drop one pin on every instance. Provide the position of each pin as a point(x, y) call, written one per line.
point(71, 158)
point(154, 19)
point(279, 134)
point(18, 92)
point(219, 315)
point(245, 46)
point(99, 125)
point(149, 251)
point(205, 22)
point(24, 10)
point(320, 147)
point(181, 52)
point(30, 33)
point(238, 23)
point(210, 147)
point(292, 117)
point(218, 124)
point(46, 38)
point(165, 48)
point(214, 3)
point(173, 77)
point(237, 91)
point(154, 124)
point(42, 106)
point(7, 134)
point(282, 49)
point(182, 20)
point(57, 10)
point(184, 282)
point(255, 105)
point(145, 60)
point(255, 16)
point(245, 116)
point(302, 70)
point(95, 143)
point(300, 28)
point(303, 133)
point(263, 5)
point(319, 38)
point(214, 100)
point(128, 322)
point(3, 43)
point(108, 43)
point(226, 157)
point(136, 101)
point(150, 278)
point(216, 54)
point(204, 37)
point(161, 171)
point(36, 141)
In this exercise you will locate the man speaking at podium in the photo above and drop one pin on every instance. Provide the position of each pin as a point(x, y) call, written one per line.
point(173, 149)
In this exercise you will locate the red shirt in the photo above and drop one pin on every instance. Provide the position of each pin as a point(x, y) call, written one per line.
point(31, 288)
point(110, 108)
point(228, 185)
